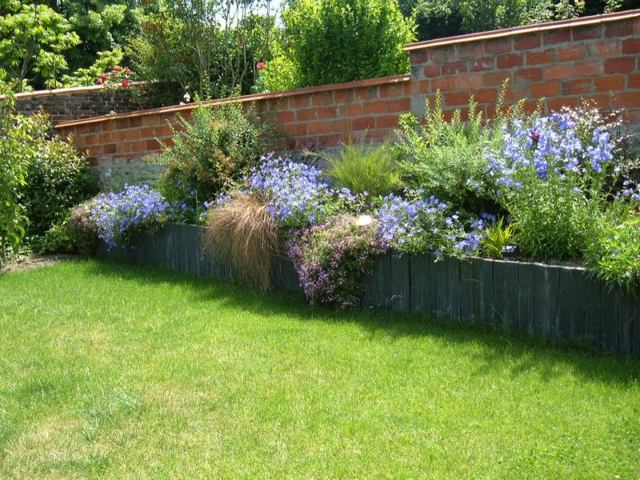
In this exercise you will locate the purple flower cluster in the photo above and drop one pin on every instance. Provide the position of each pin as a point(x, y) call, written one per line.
point(296, 189)
point(332, 258)
point(119, 215)
point(630, 190)
point(550, 145)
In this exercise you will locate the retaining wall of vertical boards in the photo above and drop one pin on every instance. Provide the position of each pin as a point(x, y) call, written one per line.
point(563, 305)
point(556, 64)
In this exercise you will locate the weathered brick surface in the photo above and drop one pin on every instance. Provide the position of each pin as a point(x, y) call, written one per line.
point(557, 64)
point(76, 103)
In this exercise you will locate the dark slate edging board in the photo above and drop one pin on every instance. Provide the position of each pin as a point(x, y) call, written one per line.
point(561, 304)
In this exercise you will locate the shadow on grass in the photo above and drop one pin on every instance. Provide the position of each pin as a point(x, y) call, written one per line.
point(512, 353)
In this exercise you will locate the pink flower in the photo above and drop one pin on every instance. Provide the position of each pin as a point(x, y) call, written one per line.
point(116, 68)
point(125, 83)
point(260, 65)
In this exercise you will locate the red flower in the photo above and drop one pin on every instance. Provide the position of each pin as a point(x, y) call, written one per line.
point(260, 65)
point(127, 70)
point(125, 83)
point(116, 68)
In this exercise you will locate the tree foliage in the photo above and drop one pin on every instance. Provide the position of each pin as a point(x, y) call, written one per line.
point(33, 41)
point(340, 40)
point(13, 169)
point(206, 47)
point(443, 18)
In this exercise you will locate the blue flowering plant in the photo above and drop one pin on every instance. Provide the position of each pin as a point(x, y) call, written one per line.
point(299, 195)
point(120, 216)
point(419, 223)
point(554, 175)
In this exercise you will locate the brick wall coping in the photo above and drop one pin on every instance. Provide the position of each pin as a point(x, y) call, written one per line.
point(371, 82)
point(63, 91)
point(538, 27)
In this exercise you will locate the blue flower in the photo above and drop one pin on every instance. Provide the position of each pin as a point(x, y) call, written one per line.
point(118, 215)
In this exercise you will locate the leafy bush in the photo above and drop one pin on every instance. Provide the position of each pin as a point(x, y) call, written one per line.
point(14, 143)
point(332, 259)
point(243, 232)
point(614, 253)
point(207, 48)
point(332, 41)
point(120, 216)
point(210, 154)
point(446, 18)
point(550, 174)
point(57, 176)
point(363, 169)
point(446, 157)
point(57, 239)
point(417, 224)
point(277, 75)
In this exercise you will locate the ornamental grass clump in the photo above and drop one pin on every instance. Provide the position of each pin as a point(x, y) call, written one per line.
point(333, 258)
point(363, 169)
point(243, 233)
point(120, 216)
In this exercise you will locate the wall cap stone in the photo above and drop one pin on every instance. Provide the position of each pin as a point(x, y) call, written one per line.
point(370, 82)
point(538, 27)
point(65, 91)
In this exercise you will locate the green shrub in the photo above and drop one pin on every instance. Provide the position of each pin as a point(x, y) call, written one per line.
point(553, 219)
point(362, 168)
point(211, 152)
point(278, 75)
point(332, 41)
point(15, 145)
point(205, 48)
point(446, 158)
point(57, 239)
point(613, 255)
point(57, 177)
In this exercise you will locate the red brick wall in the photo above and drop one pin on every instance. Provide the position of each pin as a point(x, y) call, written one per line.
point(557, 63)
point(319, 116)
point(562, 62)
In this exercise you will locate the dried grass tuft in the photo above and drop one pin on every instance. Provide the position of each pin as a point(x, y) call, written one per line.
point(242, 234)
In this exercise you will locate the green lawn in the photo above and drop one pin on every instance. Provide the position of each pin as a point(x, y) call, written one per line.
point(117, 372)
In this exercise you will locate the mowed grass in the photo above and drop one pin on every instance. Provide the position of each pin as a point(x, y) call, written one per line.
point(112, 371)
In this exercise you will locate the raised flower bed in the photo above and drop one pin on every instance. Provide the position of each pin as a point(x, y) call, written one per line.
point(558, 303)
